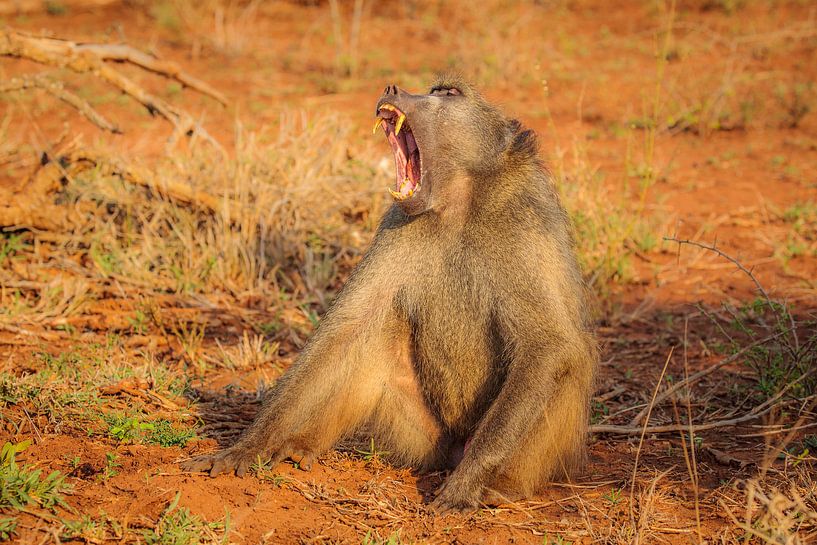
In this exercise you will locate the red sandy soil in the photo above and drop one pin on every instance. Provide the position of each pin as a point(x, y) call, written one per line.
point(726, 184)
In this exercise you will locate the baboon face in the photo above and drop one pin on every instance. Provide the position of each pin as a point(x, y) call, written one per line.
point(448, 134)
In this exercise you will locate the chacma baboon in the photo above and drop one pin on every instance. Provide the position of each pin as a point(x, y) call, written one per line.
point(461, 340)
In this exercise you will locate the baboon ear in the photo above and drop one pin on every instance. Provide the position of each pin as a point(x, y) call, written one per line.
point(522, 141)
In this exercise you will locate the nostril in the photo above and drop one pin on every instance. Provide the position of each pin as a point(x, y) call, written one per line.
point(387, 90)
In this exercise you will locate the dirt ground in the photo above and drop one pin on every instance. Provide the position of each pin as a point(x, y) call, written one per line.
point(694, 120)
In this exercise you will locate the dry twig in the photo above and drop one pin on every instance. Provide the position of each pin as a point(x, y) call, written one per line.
point(57, 89)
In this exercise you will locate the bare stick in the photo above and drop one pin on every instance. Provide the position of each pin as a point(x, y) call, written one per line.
point(634, 430)
point(32, 205)
point(643, 431)
point(19, 7)
point(758, 411)
point(126, 53)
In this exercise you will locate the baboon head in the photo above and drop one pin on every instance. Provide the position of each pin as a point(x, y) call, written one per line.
point(449, 134)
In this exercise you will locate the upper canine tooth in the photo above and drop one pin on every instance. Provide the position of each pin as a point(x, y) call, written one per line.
point(399, 123)
point(377, 123)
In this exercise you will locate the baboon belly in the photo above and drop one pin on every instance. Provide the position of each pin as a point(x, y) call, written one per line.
point(457, 366)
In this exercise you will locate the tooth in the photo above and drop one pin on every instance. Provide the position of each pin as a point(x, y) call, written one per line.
point(399, 124)
point(386, 106)
point(397, 196)
point(377, 123)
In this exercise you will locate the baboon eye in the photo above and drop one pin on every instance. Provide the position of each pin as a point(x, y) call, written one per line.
point(443, 91)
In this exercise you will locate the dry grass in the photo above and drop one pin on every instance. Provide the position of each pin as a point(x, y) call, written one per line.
point(269, 200)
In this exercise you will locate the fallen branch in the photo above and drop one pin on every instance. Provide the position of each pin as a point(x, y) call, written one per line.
point(90, 58)
point(20, 7)
point(635, 430)
point(735, 262)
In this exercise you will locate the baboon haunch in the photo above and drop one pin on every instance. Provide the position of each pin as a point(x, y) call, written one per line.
point(461, 340)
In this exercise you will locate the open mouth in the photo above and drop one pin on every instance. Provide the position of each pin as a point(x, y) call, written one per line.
point(404, 147)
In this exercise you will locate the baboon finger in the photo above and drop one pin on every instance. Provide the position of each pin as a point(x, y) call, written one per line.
point(241, 467)
point(303, 459)
point(277, 458)
point(198, 464)
point(220, 465)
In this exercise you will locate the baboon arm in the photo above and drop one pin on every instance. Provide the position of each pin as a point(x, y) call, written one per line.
point(321, 395)
point(536, 369)
point(326, 392)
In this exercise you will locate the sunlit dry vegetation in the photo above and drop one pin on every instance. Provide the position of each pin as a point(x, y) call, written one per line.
point(163, 258)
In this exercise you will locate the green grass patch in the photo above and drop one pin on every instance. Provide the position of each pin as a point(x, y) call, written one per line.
point(130, 429)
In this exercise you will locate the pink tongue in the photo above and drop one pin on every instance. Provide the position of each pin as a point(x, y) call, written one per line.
point(401, 161)
point(396, 144)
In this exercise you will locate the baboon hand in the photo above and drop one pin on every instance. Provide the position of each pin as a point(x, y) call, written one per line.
point(453, 497)
point(227, 461)
point(239, 459)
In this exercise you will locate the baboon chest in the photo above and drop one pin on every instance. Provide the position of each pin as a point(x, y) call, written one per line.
point(456, 346)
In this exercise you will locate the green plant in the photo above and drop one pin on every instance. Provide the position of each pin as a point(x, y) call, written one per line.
point(130, 429)
point(177, 526)
point(55, 8)
point(613, 497)
point(22, 486)
point(8, 528)
point(599, 410)
point(127, 429)
point(139, 322)
point(784, 363)
point(786, 359)
point(111, 465)
point(10, 244)
point(165, 434)
point(374, 539)
point(89, 530)
point(373, 454)
point(555, 540)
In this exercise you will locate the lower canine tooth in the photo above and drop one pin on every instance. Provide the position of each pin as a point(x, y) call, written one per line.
point(397, 196)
